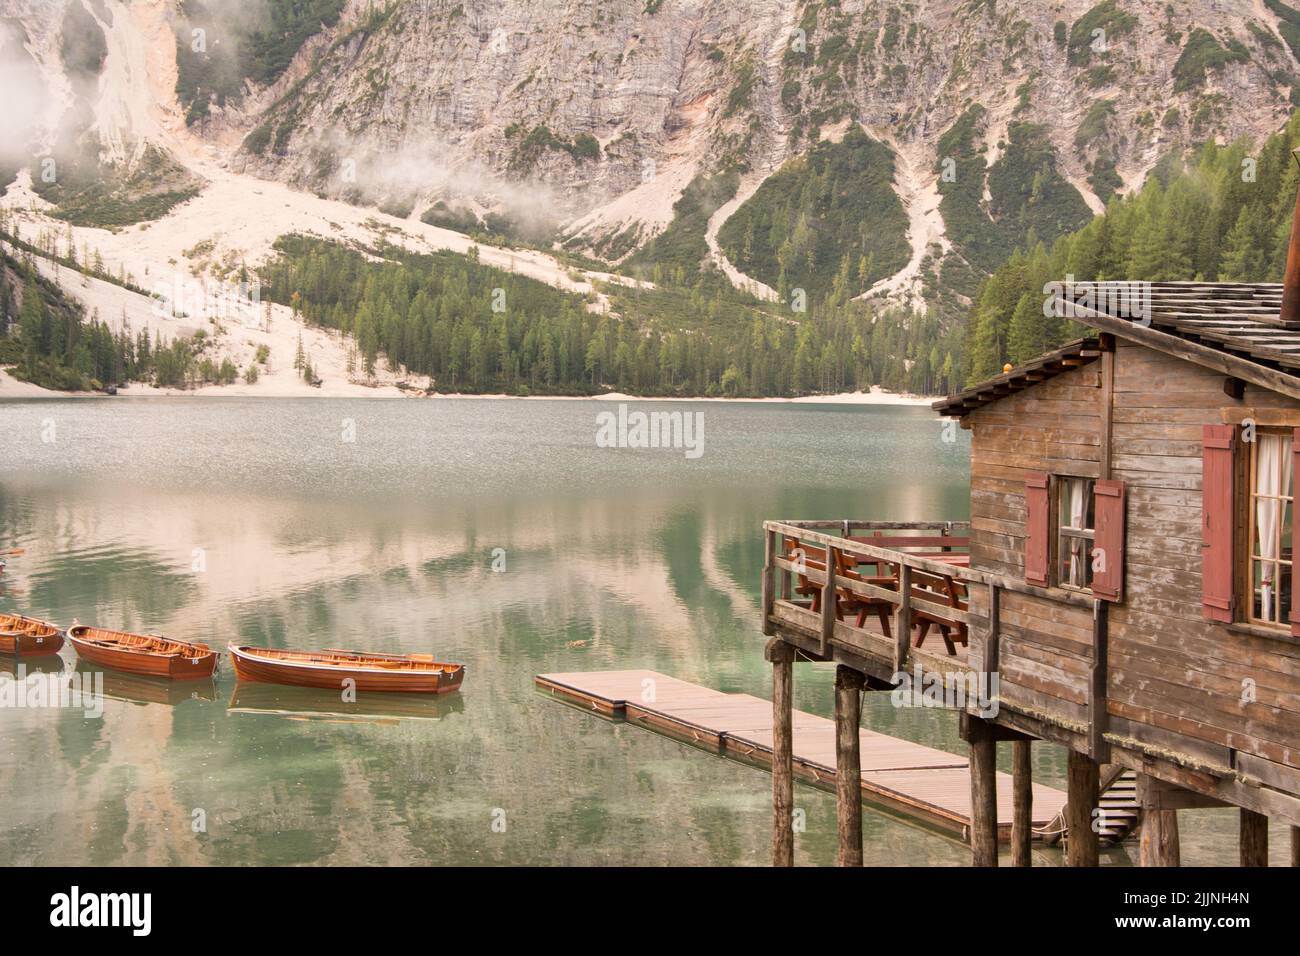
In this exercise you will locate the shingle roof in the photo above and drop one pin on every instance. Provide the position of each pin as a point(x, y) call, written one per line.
point(1237, 318)
point(1077, 353)
point(1232, 328)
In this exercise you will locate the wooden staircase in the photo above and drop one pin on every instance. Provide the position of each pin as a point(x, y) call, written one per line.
point(1120, 812)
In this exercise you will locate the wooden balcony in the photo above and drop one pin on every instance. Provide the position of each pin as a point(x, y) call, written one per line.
point(863, 593)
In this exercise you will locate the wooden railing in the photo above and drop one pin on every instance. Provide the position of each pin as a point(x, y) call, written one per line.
point(834, 545)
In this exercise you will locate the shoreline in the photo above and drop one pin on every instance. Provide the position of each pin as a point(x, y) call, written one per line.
point(11, 389)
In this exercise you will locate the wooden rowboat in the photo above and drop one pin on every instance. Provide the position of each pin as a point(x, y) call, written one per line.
point(144, 654)
point(27, 637)
point(408, 673)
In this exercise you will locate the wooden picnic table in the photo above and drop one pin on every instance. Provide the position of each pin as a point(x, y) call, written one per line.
point(938, 589)
point(945, 590)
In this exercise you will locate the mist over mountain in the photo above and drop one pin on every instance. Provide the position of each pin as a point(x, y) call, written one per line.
point(756, 153)
point(614, 108)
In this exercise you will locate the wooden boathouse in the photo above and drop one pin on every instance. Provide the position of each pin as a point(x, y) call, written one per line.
point(1127, 581)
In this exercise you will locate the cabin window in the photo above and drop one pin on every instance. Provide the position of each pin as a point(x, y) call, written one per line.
point(1271, 496)
point(1075, 530)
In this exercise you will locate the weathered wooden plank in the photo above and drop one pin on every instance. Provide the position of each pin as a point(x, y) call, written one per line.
point(1069, 666)
point(1253, 725)
point(1049, 682)
point(1152, 628)
point(1036, 613)
point(1173, 414)
point(1191, 732)
point(1156, 463)
point(1127, 432)
point(1068, 433)
point(1097, 685)
point(903, 620)
point(1125, 731)
point(1020, 696)
point(1269, 772)
point(1217, 679)
point(769, 580)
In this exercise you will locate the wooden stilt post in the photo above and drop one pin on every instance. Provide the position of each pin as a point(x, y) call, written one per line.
point(1254, 838)
point(1022, 806)
point(769, 581)
point(1295, 846)
point(781, 655)
point(1082, 796)
point(983, 794)
point(848, 763)
point(1158, 845)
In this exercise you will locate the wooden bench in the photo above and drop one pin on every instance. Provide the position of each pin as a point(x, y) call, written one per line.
point(809, 557)
point(847, 602)
point(940, 589)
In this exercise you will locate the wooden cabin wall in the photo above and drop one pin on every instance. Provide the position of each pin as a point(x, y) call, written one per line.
point(1055, 427)
point(1176, 680)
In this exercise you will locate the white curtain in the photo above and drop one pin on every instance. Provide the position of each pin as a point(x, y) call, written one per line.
point(1272, 480)
point(1078, 508)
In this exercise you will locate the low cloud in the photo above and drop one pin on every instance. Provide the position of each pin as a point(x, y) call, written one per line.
point(24, 121)
point(424, 171)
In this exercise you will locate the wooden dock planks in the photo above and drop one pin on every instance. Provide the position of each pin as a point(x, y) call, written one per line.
point(910, 779)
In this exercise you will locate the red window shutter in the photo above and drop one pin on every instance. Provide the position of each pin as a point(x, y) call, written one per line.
point(1037, 536)
point(1295, 537)
point(1108, 540)
point(1218, 447)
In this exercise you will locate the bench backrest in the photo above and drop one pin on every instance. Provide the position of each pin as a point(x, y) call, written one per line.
point(900, 541)
point(942, 585)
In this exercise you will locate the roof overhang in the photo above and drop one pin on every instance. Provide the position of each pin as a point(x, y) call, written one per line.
point(1072, 356)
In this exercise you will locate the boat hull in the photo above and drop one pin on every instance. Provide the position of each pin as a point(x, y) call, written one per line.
point(28, 637)
point(132, 661)
point(251, 667)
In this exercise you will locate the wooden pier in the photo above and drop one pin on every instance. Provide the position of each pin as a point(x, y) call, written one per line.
point(908, 779)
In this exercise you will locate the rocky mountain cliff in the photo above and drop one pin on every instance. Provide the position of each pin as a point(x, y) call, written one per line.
point(586, 120)
point(598, 114)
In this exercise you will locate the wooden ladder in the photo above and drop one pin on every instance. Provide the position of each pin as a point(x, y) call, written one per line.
point(1121, 813)
point(1119, 805)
